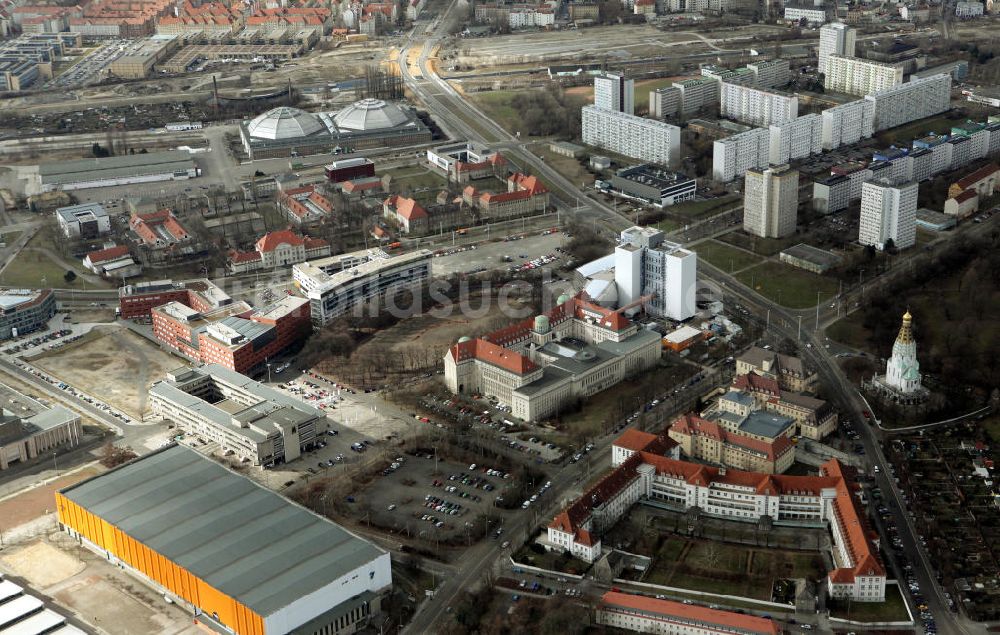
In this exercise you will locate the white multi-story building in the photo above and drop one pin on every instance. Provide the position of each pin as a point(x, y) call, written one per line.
point(836, 38)
point(813, 16)
point(770, 74)
point(888, 212)
point(733, 156)
point(857, 76)
point(88, 220)
point(742, 76)
point(343, 283)
point(614, 91)
point(644, 139)
point(525, 17)
point(916, 99)
point(645, 267)
point(697, 93)
point(832, 194)
point(848, 123)
point(664, 102)
point(771, 201)
point(796, 139)
point(643, 470)
point(757, 107)
point(967, 9)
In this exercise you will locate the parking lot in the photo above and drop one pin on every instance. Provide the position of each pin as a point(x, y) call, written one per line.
point(491, 255)
point(425, 497)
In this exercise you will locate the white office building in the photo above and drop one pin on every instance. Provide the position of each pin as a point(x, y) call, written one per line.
point(848, 123)
point(757, 107)
point(771, 202)
point(857, 76)
point(796, 139)
point(644, 266)
point(697, 93)
point(733, 156)
point(888, 212)
point(916, 99)
point(812, 15)
point(770, 74)
point(613, 91)
point(644, 139)
point(88, 220)
point(835, 38)
point(344, 283)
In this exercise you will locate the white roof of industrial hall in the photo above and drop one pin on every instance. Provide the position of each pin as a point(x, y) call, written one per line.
point(284, 123)
point(370, 114)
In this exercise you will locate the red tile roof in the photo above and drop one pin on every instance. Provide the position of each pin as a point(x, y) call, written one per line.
point(639, 441)
point(272, 240)
point(693, 425)
point(315, 243)
point(698, 615)
point(531, 184)
point(405, 207)
point(970, 180)
point(965, 195)
point(752, 382)
point(237, 257)
point(491, 353)
point(111, 253)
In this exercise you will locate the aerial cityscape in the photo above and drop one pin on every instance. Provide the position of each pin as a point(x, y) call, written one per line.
point(565, 317)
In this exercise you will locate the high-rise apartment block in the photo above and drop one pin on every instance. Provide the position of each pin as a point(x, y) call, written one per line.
point(757, 107)
point(916, 99)
point(664, 102)
point(888, 212)
point(733, 156)
point(613, 91)
point(697, 93)
point(771, 201)
point(856, 76)
point(771, 73)
point(835, 38)
point(644, 139)
point(847, 123)
point(796, 139)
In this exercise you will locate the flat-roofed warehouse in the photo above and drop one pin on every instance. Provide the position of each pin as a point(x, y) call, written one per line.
point(190, 55)
point(79, 174)
point(241, 557)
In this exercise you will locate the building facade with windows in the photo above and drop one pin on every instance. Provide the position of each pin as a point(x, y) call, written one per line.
point(734, 155)
point(636, 137)
point(642, 472)
point(614, 92)
point(25, 310)
point(771, 201)
point(836, 38)
point(857, 76)
point(643, 614)
point(916, 99)
point(757, 107)
point(796, 139)
point(888, 212)
point(848, 123)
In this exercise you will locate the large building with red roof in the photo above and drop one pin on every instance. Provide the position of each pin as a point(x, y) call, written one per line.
point(278, 249)
point(539, 366)
point(648, 615)
point(643, 469)
point(409, 215)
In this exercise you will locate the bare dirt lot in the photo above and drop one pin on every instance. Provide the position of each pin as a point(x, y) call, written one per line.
point(86, 586)
point(114, 363)
point(22, 508)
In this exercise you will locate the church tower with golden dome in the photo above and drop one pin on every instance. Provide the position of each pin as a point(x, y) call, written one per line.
point(902, 373)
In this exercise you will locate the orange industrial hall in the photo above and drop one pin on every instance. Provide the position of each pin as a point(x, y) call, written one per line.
point(239, 556)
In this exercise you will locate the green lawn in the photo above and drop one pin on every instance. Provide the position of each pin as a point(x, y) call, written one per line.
point(497, 106)
point(763, 246)
point(788, 286)
point(31, 269)
point(724, 257)
point(11, 237)
point(694, 210)
point(892, 610)
point(412, 179)
point(667, 225)
point(919, 129)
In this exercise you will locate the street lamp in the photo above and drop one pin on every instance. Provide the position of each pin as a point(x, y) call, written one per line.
point(268, 364)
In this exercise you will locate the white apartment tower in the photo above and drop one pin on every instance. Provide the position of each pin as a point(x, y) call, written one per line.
point(757, 107)
point(648, 265)
point(917, 99)
point(771, 201)
point(733, 156)
point(637, 137)
point(848, 123)
point(856, 76)
point(835, 38)
point(888, 212)
point(613, 91)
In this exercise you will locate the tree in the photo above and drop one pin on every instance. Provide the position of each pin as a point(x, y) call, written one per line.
point(69, 276)
point(113, 456)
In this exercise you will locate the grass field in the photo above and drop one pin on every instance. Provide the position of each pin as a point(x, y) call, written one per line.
point(724, 257)
point(413, 178)
point(788, 286)
point(892, 610)
point(567, 166)
point(728, 569)
point(763, 246)
point(31, 267)
point(667, 225)
point(497, 105)
point(919, 129)
point(695, 210)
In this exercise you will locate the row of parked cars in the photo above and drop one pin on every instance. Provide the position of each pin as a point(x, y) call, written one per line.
point(39, 340)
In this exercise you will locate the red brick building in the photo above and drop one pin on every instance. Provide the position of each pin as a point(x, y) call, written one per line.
point(135, 301)
point(234, 336)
